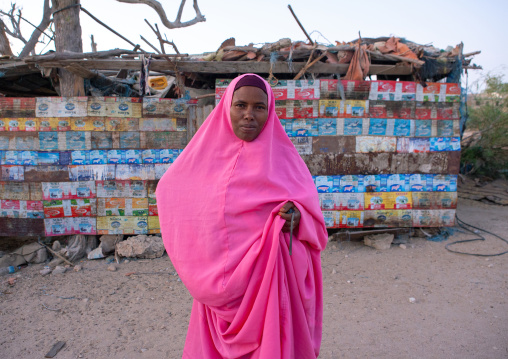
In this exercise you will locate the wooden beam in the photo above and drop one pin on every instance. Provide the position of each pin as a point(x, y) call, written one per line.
point(228, 67)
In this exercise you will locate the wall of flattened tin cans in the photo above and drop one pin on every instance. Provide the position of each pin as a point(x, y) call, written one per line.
point(85, 165)
point(384, 154)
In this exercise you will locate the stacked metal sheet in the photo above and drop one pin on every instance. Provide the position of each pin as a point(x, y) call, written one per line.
point(85, 165)
point(383, 153)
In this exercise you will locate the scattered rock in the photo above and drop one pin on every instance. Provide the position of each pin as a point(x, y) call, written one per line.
point(141, 246)
point(56, 246)
point(45, 271)
point(112, 268)
point(334, 271)
point(379, 241)
point(59, 270)
point(77, 268)
point(412, 300)
point(403, 246)
point(96, 253)
point(109, 241)
point(76, 249)
point(55, 262)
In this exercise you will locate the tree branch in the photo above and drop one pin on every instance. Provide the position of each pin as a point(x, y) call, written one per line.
point(162, 14)
point(34, 39)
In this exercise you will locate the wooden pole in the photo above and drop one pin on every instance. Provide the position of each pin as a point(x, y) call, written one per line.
point(299, 24)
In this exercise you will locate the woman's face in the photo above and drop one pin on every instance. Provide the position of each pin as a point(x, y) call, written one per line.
point(249, 112)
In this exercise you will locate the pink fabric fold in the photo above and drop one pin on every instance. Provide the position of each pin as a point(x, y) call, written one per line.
point(218, 206)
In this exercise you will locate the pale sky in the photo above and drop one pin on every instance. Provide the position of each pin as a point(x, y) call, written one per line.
point(481, 25)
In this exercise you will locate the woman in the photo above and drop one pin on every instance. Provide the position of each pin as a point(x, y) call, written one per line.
point(223, 213)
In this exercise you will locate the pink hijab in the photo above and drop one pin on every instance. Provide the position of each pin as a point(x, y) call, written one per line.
point(218, 206)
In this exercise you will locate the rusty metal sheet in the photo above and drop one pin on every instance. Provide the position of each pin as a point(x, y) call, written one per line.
point(17, 107)
point(14, 191)
point(46, 173)
point(433, 162)
point(372, 163)
point(21, 227)
point(399, 163)
point(122, 124)
point(102, 140)
point(21, 141)
point(334, 144)
point(331, 164)
point(388, 218)
point(433, 217)
point(174, 140)
point(35, 191)
point(453, 162)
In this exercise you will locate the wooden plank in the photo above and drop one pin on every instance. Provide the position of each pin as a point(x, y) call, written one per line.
point(227, 67)
point(21, 227)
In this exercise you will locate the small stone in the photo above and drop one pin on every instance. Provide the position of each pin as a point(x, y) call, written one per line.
point(112, 268)
point(346, 256)
point(349, 282)
point(59, 270)
point(45, 271)
point(55, 262)
point(412, 300)
point(77, 268)
point(85, 300)
point(56, 246)
point(490, 265)
point(143, 350)
point(334, 271)
point(403, 246)
point(126, 261)
point(379, 241)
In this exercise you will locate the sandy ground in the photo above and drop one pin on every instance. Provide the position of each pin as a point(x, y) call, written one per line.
point(460, 308)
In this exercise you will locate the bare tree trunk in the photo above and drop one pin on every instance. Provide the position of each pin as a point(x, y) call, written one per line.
point(5, 47)
point(68, 38)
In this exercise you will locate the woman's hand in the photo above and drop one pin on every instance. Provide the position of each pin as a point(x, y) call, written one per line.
point(287, 216)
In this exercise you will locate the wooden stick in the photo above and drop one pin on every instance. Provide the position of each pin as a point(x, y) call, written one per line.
point(149, 44)
point(58, 255)
point(301, 26)
point(396, 57)
point(471, 53)
point(306, 67)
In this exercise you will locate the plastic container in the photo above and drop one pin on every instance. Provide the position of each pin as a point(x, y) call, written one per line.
point(157, 82)
point(7, 270)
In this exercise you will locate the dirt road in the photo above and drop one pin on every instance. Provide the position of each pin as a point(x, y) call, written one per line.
point(460, 307)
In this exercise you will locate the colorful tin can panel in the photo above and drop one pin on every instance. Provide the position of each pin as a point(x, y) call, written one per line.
point(434, 200)
point(297, 108)
point(157, 107)
point(365, 144)
point(296, 90)
point(70, 225)
point(114, 107)
point(88, 124)
point(68, 190)
point(349, 201)
point(122, 124)
point(153, 225)
point(303, 145)
point(349, 219)
point(92, 172)
point(12, 173)
point(61, 106)
point(21, 209)
point(19, 124)
point(122, 225)
point(122, 206)
point(434, 218)
point(70, 208)
point(135, 189)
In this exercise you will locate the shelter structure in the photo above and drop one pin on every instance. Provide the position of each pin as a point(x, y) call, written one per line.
point(384, 152)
